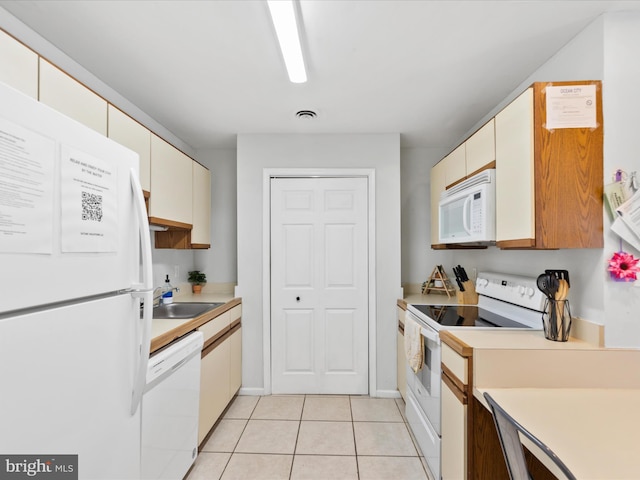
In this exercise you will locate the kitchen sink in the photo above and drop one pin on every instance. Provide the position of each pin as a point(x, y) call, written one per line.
point(183, 310)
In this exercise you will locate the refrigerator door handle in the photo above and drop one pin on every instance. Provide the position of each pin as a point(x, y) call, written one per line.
point(140, 373)
point(144, 291)
point(145, 238)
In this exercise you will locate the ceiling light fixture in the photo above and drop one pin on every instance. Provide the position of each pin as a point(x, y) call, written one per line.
point(283, 16)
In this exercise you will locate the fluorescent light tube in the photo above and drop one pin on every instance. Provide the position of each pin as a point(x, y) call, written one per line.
point(283, 16)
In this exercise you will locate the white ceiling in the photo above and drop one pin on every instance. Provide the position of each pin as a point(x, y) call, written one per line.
point(207, 70)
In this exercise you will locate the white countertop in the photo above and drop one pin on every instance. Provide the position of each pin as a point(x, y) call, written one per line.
point(431, 299)
point(516, 339)
point(594, 431)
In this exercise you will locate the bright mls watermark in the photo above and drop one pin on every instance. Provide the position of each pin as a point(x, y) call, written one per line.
point(49, 467)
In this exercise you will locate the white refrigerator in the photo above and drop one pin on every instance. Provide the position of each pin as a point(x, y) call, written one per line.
point(75, 266)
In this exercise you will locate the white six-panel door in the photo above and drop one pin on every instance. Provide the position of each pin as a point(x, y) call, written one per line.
point(319, 289)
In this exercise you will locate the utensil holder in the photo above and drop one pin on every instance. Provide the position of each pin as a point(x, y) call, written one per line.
point(556, 320)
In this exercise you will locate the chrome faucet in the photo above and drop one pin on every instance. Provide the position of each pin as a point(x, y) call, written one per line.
point(156, 298)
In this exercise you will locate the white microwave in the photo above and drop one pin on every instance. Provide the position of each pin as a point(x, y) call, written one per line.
point(467, 211)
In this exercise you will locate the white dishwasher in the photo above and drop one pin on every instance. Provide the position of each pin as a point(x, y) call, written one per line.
point(170, 406)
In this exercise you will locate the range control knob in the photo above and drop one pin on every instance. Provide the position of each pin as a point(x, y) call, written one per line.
point(483, 282)
point(530, 291)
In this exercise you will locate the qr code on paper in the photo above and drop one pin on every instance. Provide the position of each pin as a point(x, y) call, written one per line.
point(91, 207)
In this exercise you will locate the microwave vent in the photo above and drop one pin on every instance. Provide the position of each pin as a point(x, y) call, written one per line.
point(485, 176)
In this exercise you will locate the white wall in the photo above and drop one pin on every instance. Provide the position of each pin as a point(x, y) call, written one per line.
point(621, 104)
point(220, 261)
point(165, 261)
point(580, 59)
point(418, 260)
point(259, 152)
point(606, 50)
point(44, 48)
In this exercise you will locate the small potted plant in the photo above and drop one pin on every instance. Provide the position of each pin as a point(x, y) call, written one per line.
point(197, 279)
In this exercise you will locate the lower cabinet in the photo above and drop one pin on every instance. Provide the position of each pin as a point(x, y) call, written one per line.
point(221, 367)
point(402, 359)
point(454, 434)
point(235, 368)
point(470, 445)
point(455, 421)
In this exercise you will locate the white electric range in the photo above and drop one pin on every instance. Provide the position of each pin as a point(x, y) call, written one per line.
point(505, 301)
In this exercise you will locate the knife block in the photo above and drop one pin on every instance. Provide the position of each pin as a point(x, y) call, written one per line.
point(469, 296)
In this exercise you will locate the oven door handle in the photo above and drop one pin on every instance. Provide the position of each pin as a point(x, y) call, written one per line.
point(430, 335)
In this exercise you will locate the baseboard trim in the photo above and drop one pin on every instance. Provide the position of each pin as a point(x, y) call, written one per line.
point(256, 392)
point(386, 394)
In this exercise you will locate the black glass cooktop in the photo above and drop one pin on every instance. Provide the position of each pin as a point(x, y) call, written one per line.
point(466, 316)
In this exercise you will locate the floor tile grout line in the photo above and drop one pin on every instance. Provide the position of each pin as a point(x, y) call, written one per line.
point(295, 445)
point(355, 443)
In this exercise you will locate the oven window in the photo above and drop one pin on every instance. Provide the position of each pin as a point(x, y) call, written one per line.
point(425, 375)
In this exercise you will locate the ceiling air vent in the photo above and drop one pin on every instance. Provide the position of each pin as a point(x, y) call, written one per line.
point(306, 114)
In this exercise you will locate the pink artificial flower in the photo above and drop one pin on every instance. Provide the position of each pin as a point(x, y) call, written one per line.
point(624, 266)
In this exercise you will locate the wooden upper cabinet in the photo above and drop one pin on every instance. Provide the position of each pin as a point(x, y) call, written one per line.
point(549, 183)
point(70, 97)
point(201, 231)
point(128, 132)
point(18, 65)
point(480, 149)
point(438, 185)
point(171, 186)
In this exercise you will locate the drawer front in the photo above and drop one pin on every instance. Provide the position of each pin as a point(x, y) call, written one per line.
point(212, 328)
point(235, 313)
point(458, 365)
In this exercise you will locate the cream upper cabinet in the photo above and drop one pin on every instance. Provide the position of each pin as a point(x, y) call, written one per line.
point(515, 215)
point(126, 131)
point(438, 185)
point(70, 97)
point(18, 65)
point(171, 185)
point(481, 148)
point(455, 166)
point(201, 231)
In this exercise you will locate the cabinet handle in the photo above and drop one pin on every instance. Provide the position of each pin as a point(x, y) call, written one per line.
point(297, 299)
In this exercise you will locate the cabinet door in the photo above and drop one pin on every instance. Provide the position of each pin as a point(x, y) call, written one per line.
point(126, 131)
point(438, 184)
point(214, 386)
point(70, 97)
point(18, 65)
point(455, 166)
point(454, 436)
point(201, 231)
point(515, 202)
point(401, 367)
point(171, 184)
point(480, 148)
point(235, 362)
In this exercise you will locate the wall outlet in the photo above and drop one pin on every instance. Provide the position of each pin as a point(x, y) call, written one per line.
point(176, 272)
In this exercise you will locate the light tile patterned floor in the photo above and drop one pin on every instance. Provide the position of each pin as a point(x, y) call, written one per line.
point(311, 437)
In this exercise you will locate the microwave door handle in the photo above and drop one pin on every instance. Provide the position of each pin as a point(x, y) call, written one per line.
point(465, 215)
